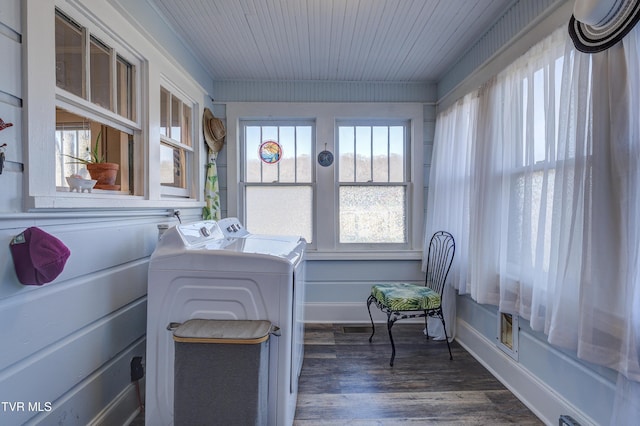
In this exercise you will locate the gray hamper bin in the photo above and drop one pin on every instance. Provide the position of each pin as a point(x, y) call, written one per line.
point(221, 372)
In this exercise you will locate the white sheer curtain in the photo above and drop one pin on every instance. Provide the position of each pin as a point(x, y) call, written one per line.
point(531, 200)
point(609, 322)
point(449, 190)
point(550, 224)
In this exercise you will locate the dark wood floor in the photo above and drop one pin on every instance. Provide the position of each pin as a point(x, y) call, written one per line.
point(346, 380)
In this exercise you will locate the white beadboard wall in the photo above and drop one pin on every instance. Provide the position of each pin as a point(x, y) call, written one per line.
point(11, 105)
point(70, 342)
point(323, 91)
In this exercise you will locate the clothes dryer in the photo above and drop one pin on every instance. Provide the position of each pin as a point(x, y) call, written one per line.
point(199, 271)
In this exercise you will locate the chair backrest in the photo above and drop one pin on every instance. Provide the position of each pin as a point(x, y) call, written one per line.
point(439, 259)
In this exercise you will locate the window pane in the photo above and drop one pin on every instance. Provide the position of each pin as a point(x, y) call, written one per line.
point(172, 166)
point(363, 154)
point(269, 171)
point(72, 139)
point(86, 139)
point(164, 112)
point(304, 158)
point(346, 147)
point(252, 164)
point(69, 64)
point(100, 77)
point(124, 81)
point(288, 162)
point(269, 132)
point(279, 210)
point(539, 119)
point(186, 125)
point(176, 119)
point(380, 150)
point(372, 214)
point(396, 153)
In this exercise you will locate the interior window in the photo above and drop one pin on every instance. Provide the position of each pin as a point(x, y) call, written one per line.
point(176, 147)
point(81, 141)
point(97, 128)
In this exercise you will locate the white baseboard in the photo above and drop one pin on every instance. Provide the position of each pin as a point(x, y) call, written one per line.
point(542, 400)
point(124, 406)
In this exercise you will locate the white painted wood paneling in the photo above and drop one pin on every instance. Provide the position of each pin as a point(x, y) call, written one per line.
point(329, 40)
point(10, 66)
point(71, 361)
point(12, 136)
point(323, 91)
point(10, 15)
point(100, 393)
point(95, 247)
point(362, 270)
point(79, 332)
point(11, 177)
point(337, 290)
point(11, 180)
point(85, 301)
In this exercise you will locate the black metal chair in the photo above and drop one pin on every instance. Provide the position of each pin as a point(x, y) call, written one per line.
point(404, 300)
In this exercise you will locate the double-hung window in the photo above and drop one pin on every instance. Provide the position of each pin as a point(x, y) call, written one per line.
point(373, 188)
point(96, 108)
point(347, 177)
point(176, 144)
point(277, 176)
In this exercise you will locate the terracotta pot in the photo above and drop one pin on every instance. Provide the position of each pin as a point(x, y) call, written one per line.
point(105, 174)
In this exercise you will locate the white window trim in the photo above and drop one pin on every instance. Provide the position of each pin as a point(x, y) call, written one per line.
point(325, 116)
point(39, 102)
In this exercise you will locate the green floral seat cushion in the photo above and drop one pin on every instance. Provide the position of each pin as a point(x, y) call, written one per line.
point(406, 297)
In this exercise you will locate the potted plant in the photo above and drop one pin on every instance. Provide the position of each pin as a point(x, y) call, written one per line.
point(99, 169)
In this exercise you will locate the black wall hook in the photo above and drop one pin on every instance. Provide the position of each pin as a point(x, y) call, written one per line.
point(2, 157)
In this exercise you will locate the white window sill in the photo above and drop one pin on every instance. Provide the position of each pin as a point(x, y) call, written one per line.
point(105, 200)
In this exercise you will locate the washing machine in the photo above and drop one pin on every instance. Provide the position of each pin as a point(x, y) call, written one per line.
point(219, 270)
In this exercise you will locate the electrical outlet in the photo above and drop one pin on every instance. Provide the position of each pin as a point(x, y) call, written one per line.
point(137, 371)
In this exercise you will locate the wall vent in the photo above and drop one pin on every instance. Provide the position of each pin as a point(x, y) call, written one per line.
point(566, 420)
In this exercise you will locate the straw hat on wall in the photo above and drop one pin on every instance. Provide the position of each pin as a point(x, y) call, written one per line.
point(214, 131)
